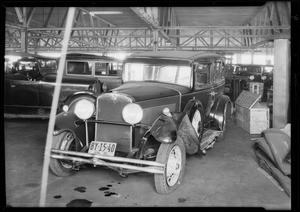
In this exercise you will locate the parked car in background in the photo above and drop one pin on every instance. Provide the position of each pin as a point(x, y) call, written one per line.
point(171, 103)
point(31, 97)
point(240, 75)
point(33, 66)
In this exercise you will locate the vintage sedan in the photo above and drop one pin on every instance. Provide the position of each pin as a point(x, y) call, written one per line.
point(171, 103)
point(28, 98)
point(33, 66)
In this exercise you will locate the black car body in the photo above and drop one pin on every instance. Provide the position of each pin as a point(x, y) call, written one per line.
point(28, 97)
point(170, 104)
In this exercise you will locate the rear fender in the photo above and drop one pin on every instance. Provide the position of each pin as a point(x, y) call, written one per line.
point(217, 110)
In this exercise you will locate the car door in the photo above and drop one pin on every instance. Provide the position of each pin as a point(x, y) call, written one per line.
point(203, 85)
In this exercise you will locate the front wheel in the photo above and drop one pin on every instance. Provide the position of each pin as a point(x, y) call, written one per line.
point(64, 141)
point(173, 156)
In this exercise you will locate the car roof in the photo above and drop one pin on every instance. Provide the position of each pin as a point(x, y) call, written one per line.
point(89, 57)
point(182, 55)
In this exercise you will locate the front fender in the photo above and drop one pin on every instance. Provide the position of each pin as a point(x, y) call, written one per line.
point(70, 122)
point(65, 121)
point(217, 110)
point(164, 129)
point(77, 94)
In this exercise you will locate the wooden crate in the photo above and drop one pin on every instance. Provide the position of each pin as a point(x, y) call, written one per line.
point(251, 115)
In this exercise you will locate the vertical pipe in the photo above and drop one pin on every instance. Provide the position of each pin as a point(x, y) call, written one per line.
point(54, 106)
point(86, 134)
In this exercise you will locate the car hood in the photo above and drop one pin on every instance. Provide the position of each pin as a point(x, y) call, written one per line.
point(142, 91)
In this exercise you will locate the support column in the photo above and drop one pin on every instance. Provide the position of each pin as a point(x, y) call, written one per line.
point(155, 40)
point(281, 83)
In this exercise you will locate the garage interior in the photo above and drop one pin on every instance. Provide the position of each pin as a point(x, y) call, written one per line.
point(227, 176)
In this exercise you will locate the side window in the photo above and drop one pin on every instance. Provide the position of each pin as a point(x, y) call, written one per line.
point(218, 74)
point(202, 75)
point(101, 69)
point(114, 69)
point(79, 68)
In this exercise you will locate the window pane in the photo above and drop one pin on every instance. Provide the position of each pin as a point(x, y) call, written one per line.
point(101, 69)
point(81, 68)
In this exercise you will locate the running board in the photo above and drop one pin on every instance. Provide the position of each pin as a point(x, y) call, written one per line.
point(208, 139)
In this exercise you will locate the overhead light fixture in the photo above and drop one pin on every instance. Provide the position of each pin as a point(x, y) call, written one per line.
point(106, 12)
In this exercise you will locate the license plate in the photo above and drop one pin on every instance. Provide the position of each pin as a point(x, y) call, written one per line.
point(102, 148)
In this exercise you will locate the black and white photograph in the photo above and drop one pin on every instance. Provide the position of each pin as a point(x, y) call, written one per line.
point(159, 105)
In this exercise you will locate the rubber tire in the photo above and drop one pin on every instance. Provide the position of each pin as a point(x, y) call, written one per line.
point(55, 164)
point(202, 118)
point(160, 180)
point(222, 137)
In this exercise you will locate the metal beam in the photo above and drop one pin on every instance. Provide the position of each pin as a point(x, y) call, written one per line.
point(152, 24)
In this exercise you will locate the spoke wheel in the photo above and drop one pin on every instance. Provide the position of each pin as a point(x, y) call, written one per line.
point(174, 157)
point(197, 122)
point(63, 141)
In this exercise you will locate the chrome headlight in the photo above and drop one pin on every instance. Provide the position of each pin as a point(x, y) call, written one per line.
point(263, 77)
point(132, 113)
point(84, 109)
point(251, 77)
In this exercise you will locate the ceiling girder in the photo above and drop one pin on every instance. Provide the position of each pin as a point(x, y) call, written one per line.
point(268, 24)
point(152, 23)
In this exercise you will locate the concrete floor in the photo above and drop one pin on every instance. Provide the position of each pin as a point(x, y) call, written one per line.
point(228, 176)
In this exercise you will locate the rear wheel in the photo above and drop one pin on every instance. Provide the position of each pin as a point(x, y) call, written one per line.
point(64, 141)
point(223, 127)
point(173, 156)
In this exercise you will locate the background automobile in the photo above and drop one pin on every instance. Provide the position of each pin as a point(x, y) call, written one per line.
point(238, 77)
point(170, 104)
point(25, 97)
point(33, 66)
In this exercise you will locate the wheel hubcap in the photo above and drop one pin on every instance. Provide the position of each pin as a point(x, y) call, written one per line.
point(196, 121)
point(174, 166)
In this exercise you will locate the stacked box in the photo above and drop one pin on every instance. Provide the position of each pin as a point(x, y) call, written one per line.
point(251, 115)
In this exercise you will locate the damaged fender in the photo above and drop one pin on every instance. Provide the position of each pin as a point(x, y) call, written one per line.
point(164, 129)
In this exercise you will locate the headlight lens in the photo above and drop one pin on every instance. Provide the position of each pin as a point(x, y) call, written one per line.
point(84, 109)
point(132, 113)
point(251, 77)
point(263, 77)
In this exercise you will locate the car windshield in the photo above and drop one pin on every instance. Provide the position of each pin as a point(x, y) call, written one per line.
point(175, 74)
point(26, 65)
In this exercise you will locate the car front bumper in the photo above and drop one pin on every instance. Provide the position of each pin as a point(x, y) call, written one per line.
point(110, 161)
